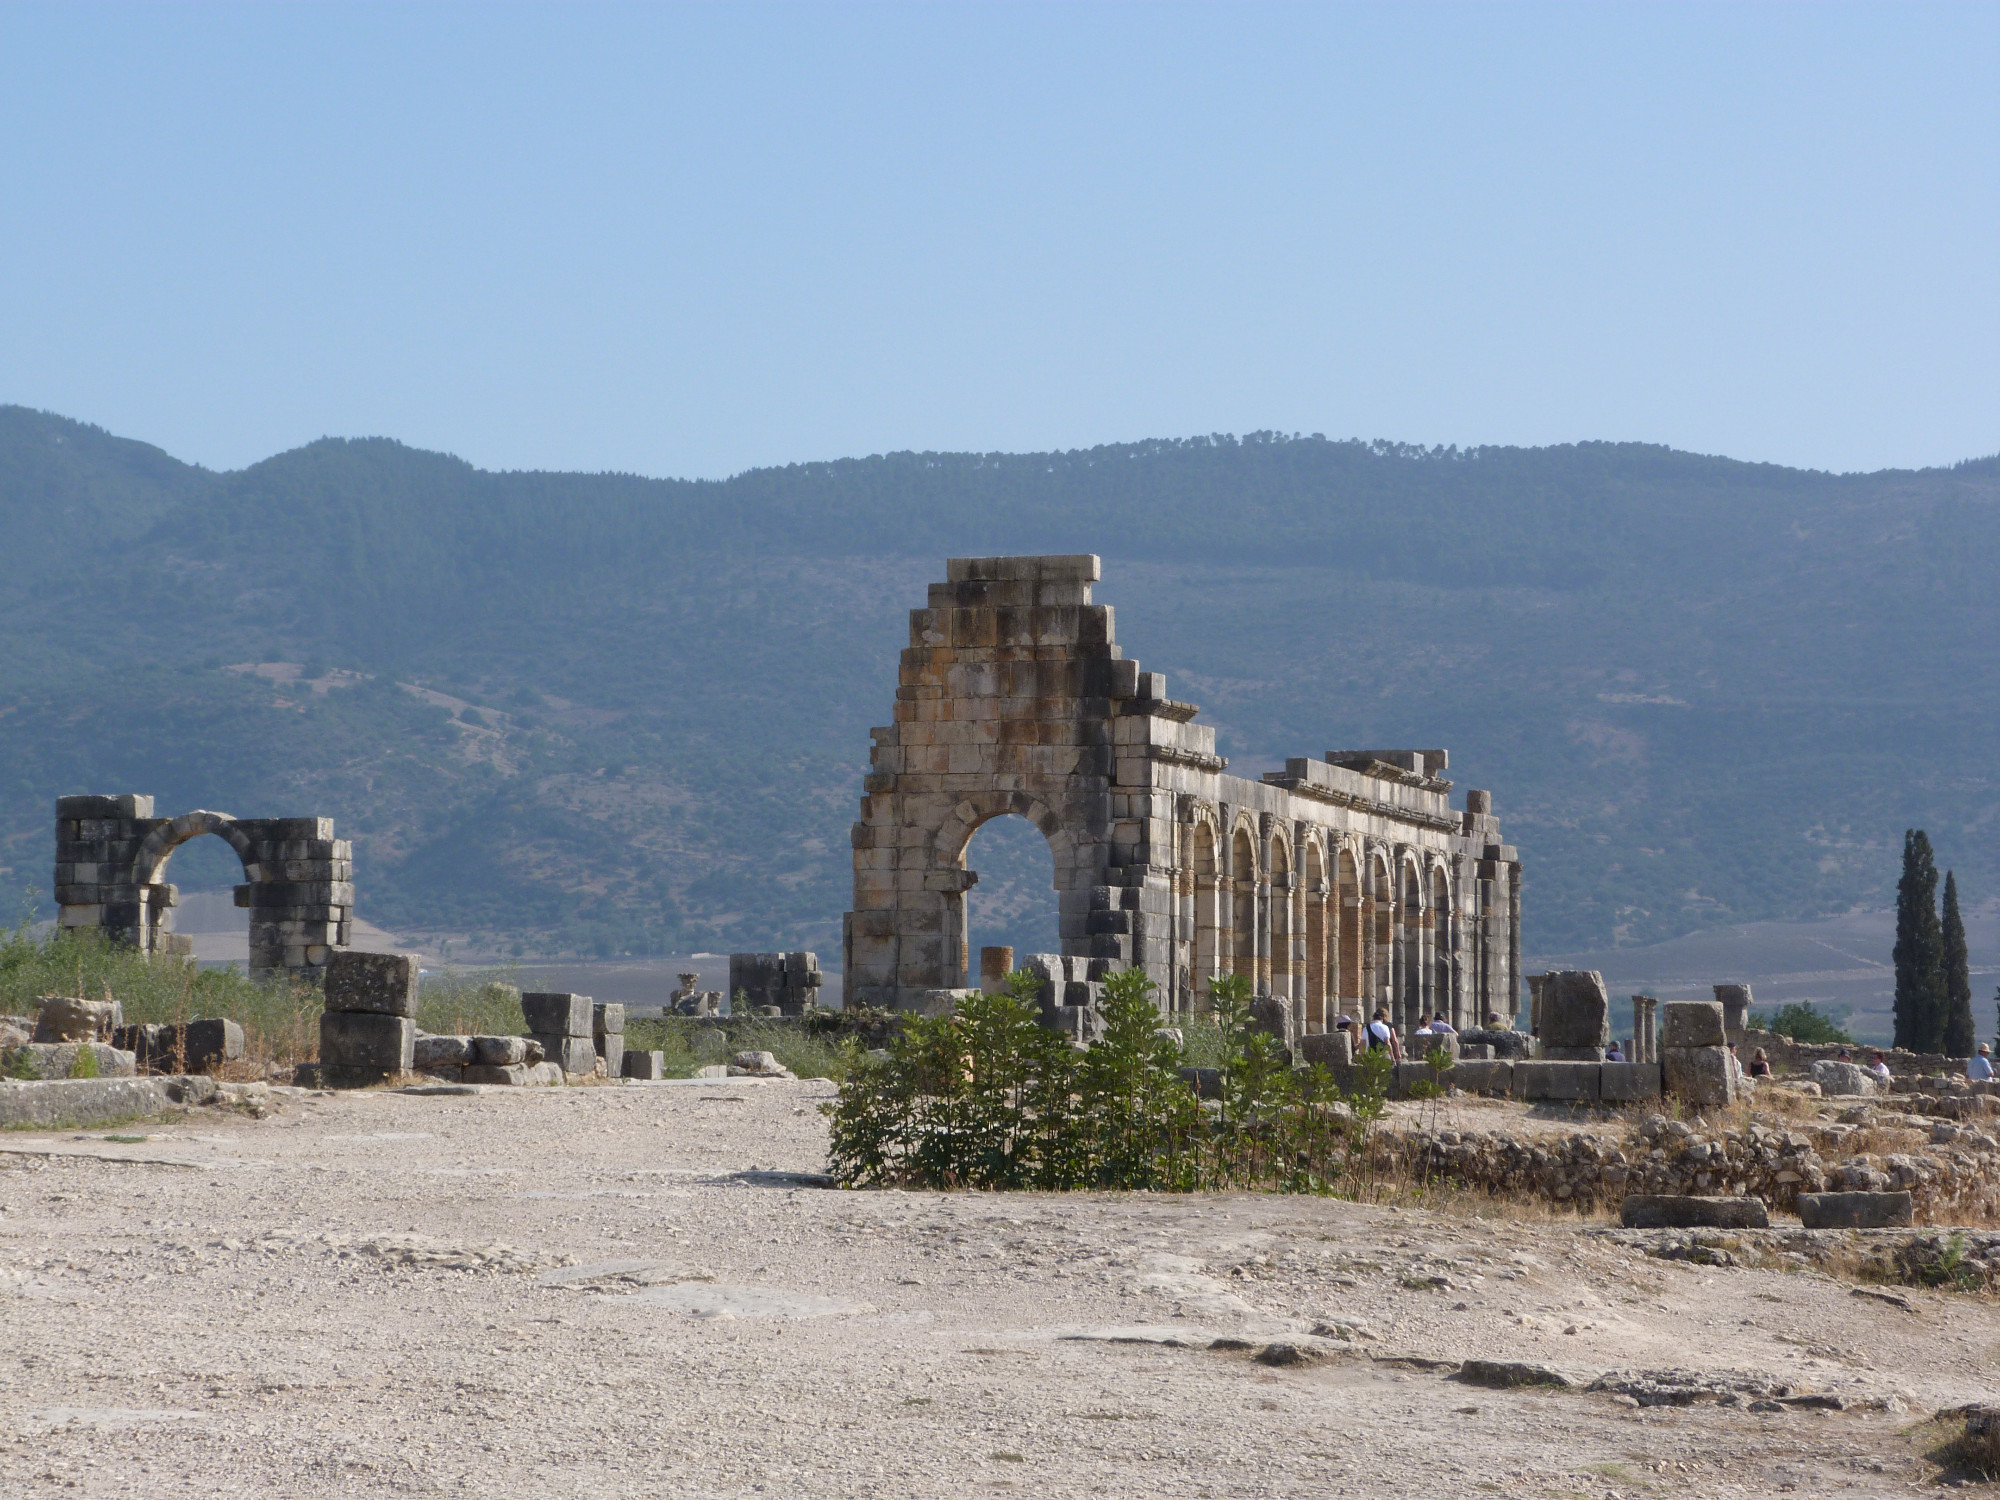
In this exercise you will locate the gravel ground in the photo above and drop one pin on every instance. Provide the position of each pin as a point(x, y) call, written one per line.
point(634, 1290)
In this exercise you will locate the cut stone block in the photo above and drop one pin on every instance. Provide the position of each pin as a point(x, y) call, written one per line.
point(611, 1048)
point(1692, 1023)
point(1576, 1011)
point(47, 1060)
point(1483, 1076)
point(1626, 1083)
point(573, 1054)
point(545, 1073)
point(190, 1047)
point(62, 1019)
point(1836, 1077)
point(443, 1052)
point(1578, 1081)
point(1673, 1211)
point(500, 1051)
point(1327, 1049)
point(383, 983)
point(554, 1013)
point(366, 1039)
point(1856, 1210)
point(607, 1019)
point(1701, 1076)
point(645, 1065)
point(1572, 1054)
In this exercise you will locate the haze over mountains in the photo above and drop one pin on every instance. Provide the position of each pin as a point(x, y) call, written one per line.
point(599, 713)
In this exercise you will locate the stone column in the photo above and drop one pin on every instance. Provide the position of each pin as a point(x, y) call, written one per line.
point(995, 964)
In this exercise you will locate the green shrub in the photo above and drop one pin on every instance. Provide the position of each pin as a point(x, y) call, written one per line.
point(85, 1063)
point(989, 1098)
point(1801, 1023)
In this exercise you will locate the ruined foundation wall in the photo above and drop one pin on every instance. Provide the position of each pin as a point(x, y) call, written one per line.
point(1334, 885)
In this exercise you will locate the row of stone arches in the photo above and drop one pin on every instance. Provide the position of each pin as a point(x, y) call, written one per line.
point(1330, 923)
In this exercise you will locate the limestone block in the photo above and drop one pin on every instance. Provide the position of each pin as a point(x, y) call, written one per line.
point(607, 1019)
point(1576, 1011)
point(368, 1040)
point(557, 1014)
point(1558, 1080)
point(1673, 1211)
point(63, 1019)
point(1495, 1077)
point(611, 1047)
point(1329, 1049)
point(507, 1074)
point(1855, 1210)
point(1628, 1082)
point(1692, 1023)
point(649, 1066)
point(381, 983)
point(544, 1073)
point(62, 1059)
point(191, 1047)
point(1836, 1077)
point(1701, 1076)
point(573, 1054)
point(500, 1051)
point(442, 1052)
point(1572, 1054)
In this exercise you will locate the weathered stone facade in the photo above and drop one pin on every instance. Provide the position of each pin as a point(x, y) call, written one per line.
point(1335, 885)
point(298, 879)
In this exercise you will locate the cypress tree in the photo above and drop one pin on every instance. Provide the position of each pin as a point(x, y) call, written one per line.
point(1919, 954)
point(1959, 1034)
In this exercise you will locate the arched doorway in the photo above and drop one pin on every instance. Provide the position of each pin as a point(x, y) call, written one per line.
point(1243, 886)
point(1316, 892)
point(1347, 906)
point(1444, 945)
point(1207, 914)
point(1009, 900)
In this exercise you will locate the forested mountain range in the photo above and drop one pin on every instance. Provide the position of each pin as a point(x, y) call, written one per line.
point(602, 713)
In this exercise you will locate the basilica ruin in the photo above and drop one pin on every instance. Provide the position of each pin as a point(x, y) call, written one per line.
point(1335, 885)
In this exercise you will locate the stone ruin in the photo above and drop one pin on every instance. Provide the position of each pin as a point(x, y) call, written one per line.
point(298, 879)
point(66, 1027)
point(784, 984)
point(1335, 885)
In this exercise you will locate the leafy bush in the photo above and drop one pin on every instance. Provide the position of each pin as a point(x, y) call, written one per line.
point(989, 1098)
point(1801, 1023)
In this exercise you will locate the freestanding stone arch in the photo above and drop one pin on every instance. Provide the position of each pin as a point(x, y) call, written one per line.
point(1013, 697)
point(298, 879)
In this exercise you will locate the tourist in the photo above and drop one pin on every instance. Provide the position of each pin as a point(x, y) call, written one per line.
point(1441, 1027)
point(1493, 1022)
point(1845, 1056)
point(1614, 1053)
point(1980, 1064)
point(1382, 1036)
point(1880, 1068)
point(1351, 1029)
point(1760, 1065)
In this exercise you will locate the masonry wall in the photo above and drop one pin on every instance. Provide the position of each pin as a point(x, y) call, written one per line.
point(1336, 885)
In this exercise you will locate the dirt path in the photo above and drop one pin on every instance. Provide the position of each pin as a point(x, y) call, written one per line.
point(610, 1291)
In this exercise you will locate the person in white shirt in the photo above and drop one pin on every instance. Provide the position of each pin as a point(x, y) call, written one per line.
point(1880, 1068)
point(1980, 1064)
point(1381, 1035)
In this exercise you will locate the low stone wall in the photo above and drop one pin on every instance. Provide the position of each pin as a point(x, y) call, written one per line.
point(1954, 1182)
point(1798, 1057)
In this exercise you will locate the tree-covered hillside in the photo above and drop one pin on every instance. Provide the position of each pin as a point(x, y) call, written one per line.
point(600, 713)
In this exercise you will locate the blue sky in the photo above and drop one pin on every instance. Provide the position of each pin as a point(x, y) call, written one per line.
point(684, 240)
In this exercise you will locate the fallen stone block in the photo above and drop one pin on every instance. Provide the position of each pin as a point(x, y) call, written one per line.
point(52, 1060)
point(1627, 1083)
point(573, 1054)
point(442, 1052)
point(649, 1066)
point(1677, 1211)
point(1836, 1078)
point(713, 1070)
point(1692, 1023)
point(500, 1051)
point(367, 1040)
point(1856, 1210)
point(1573, 1081)
point(1701, 1076)
point(552, 1013)
point(189, 1047)
point(96, 1101)
point(382, 983)
point(757, 1065)
point(63, 1019)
